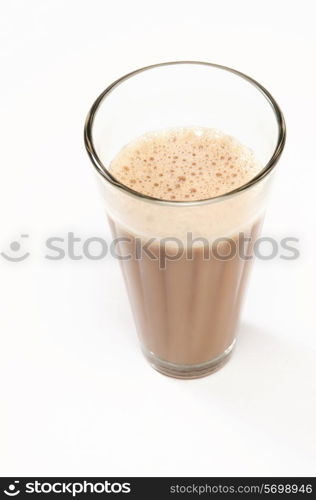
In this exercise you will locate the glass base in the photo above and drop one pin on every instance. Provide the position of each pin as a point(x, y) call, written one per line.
point(188, 371)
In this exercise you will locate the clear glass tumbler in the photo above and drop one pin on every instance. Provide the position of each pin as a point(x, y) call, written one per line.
point(186, 302)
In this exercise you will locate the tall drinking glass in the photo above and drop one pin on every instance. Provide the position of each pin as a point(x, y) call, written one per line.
point(185, 263)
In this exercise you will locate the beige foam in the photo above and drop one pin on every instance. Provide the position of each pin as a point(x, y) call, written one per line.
point(212, 218)
point(185, 164)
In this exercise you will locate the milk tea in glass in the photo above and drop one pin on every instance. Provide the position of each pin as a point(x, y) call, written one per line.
point(185, 154)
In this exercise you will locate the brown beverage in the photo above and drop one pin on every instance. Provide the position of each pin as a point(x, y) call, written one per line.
point(186, 310)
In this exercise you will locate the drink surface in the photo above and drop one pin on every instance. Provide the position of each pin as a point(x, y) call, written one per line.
point(185, 164)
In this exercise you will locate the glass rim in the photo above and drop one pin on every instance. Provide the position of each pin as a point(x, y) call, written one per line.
point(106, 174)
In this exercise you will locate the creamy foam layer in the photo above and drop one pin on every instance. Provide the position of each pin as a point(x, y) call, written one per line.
point(185, 164)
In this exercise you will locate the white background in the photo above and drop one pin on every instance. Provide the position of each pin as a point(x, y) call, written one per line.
point(77, 398)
